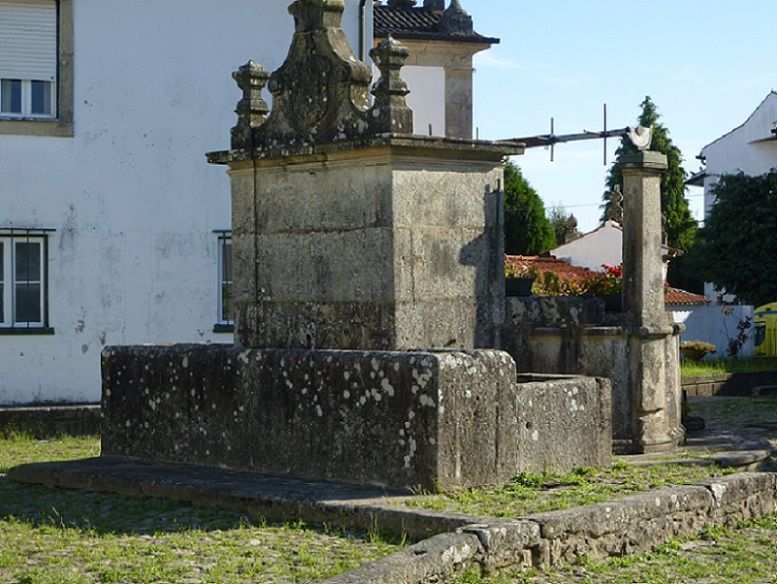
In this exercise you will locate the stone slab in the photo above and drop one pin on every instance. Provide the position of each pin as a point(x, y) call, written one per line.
point(261, 496)
point(731, 384)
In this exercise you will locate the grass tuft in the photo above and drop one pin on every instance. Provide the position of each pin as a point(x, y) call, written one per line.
point(532, 493)
point(57, 536)
point(721, 366)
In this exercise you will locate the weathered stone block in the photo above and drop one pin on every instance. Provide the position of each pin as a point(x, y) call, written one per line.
point(563, 422)
point(551, 335)
point(414, 419)
point(392, 244)
point(397, 419)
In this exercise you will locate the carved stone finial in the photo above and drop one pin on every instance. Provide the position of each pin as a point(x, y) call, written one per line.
point(570, 229)
point(640, 137)
point(436, 7)
point(390, 114)
point(320, 93)
point(252, 109)
point(316, 14)
point(615, 211)
point(456, 21)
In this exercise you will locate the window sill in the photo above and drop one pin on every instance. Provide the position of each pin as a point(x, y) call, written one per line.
point(224, 328)
point(36, 127)
point(40, 331)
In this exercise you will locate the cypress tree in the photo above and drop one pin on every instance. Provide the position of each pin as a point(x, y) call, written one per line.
point(680, 225)
point(527, 229)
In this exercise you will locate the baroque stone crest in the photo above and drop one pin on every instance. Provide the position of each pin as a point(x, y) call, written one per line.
point(320, 93)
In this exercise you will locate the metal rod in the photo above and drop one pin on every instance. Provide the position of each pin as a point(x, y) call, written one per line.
point(551, 139)
point(362, 30)
point(605, 134)
point(553, 145)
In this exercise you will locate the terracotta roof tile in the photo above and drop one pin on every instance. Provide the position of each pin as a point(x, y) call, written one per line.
point(551, 264)
point(417, 23)
point(677, 297)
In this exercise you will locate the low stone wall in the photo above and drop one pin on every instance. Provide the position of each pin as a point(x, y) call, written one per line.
point(564, 422)
point(575, 336)
point(731, 384)
point(631, 525)
point(413, 420)
point(48, 421)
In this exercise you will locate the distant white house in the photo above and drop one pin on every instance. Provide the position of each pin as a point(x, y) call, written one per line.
point(750, 148)
point(113, 228)
point(603, 245)
point(704, 320)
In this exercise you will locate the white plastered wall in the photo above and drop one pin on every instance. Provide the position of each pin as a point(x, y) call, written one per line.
point(427, 88)
point(133, 202)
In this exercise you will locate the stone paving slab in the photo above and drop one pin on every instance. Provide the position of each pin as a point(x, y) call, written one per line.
point(258, 495)
point(728, 440)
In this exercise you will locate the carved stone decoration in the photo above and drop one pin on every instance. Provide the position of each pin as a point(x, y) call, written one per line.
point(641, 137)
point(615, 212)
point(456, 21)
point(570, 229)
point(434, 6)
point(390, 114)
point(320, 91)
point(252, 110)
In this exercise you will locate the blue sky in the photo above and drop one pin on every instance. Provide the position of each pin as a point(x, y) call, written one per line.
point(707, 65)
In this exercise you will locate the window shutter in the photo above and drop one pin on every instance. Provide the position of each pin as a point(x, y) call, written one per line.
point(28, 40)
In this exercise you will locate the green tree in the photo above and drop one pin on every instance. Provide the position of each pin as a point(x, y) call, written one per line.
point(681, 227)
point(564, 226)
point(527, 229)
point(735, 248)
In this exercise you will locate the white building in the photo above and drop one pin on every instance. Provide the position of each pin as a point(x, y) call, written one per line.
point(602, 246)
point(112, 225)
point(750, 148)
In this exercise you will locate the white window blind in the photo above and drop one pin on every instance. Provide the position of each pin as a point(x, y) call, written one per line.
point(28, 40)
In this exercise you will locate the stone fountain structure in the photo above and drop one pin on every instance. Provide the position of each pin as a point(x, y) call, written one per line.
point(368, 274)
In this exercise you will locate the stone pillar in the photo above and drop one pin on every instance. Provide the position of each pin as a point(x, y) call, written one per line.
point(643, 281)
point(655, 399)
point(458, 102)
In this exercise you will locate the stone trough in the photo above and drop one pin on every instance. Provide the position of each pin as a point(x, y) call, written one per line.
point(418, 420)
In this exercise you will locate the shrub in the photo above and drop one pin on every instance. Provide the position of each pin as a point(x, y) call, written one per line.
point(696, 350)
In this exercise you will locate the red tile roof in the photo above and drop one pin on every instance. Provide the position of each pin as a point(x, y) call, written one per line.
point(677, 297)
point(551, 264)
point(674, 296)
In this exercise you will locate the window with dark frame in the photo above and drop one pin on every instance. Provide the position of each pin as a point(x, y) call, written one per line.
point(28, 59)
point(24, 280)
point(226, 318)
